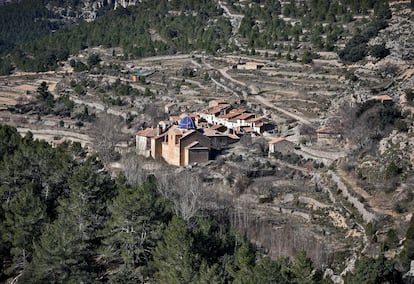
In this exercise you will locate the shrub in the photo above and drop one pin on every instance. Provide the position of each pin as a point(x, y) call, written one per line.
point(379, 51)
point(391, 170)
point(409, 94)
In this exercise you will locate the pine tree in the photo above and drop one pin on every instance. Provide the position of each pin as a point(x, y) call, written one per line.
point(244, 260)
point(67, 249)
point(267, 270)
point(302, 268)
point(25, 215)
point(137, 221)
point(9, 140)
point(208, 274)
point(61, 255)
point(174, 259)
point(91, 191)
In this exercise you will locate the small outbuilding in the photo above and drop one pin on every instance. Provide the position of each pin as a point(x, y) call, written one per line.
point(281, 145)
point(385, 99)
point(143, 141)
point(328, 135)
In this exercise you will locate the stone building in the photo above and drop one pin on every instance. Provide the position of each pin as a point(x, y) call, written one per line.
point(250, 65)
point(281, 145)
point(328, 135)
point(143, 141)
point(183, 144)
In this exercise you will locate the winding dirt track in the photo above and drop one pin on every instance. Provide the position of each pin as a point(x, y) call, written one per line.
point(377, 204)
point(266, 102)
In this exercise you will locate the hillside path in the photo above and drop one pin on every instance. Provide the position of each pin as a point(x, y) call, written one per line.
point(377, 204)
point(266, 102)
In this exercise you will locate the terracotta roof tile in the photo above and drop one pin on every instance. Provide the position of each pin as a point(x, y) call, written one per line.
point(328, 130)
point(384, 98)
point(277, 140)
point(217, 126)
point(255, 119)
point(233, 113)
point(147, 132)
point(244, 116)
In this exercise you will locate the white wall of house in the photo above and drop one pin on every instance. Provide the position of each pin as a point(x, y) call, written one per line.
point(142, 146)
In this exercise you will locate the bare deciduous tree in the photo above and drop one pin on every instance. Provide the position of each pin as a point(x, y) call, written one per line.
point(137, 168)
point(184, 190)
point(154, 113)
point(107, 133)
point(308, 132)
point(133, 168)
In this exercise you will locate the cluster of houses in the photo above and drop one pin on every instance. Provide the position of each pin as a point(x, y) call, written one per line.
point(191, 138)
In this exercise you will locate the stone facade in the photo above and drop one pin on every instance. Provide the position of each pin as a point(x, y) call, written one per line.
point(174, 151)
point(281, 145)
point(143, 141)
point(328, 135)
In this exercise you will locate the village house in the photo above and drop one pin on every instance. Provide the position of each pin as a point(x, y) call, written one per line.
point(191, 137)
point(179, 145)
point(328, 135)
point(143, 141)
point(385, 100)
point(226, 119)
point(280, 145)
point(236, 120)
point(250, 65)
point(215, 110)
point(183, 144)
point(261, 124)
point(220, 140)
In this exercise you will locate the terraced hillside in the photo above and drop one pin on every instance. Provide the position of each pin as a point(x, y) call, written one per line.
point(341, 197)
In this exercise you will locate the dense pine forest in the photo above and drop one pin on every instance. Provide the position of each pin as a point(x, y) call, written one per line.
point(65, 220)
point(34, 38)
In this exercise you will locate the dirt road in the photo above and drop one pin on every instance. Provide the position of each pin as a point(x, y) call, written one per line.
point(377, 203)
point(267, 103)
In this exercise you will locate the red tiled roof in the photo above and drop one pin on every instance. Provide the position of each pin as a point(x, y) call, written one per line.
point(160, 136)
point(244, 116)
point(328, 130)
point(233, 113)
point(239, 110)
point(147, 132)
point(229, 115)
point(255, 119)
point(233, 136)
point(217, 126)
point(277, 140)
point(384, 98)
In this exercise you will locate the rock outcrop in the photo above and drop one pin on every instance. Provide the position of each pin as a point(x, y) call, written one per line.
point(408, 278)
